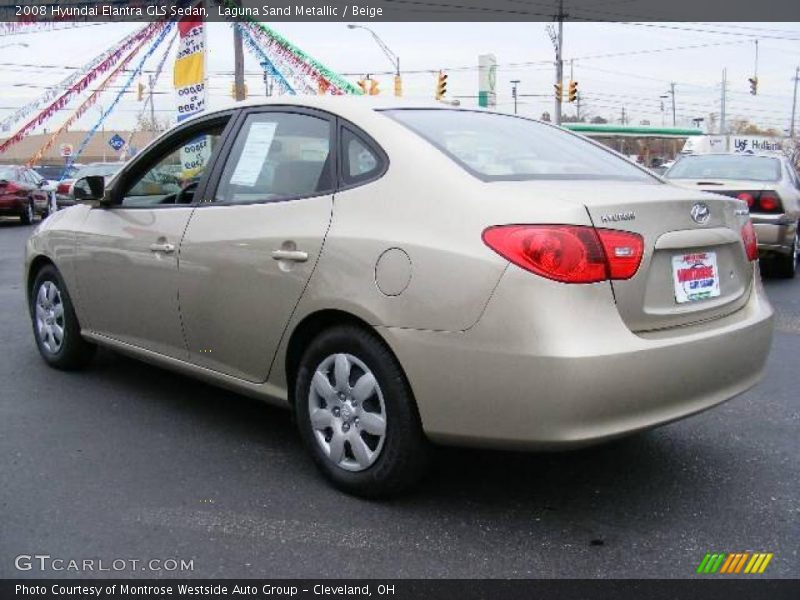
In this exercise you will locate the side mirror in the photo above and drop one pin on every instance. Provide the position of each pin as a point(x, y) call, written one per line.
point(89, 188)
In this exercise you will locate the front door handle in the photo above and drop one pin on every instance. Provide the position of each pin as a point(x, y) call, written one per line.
point(293, 255)
point(165, 248)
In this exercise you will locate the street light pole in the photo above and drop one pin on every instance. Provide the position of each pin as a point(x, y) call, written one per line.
point(514, 83)
point(393, 58)
point(794, 101)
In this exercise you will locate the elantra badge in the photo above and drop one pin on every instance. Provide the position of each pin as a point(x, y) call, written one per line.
point(620, 216)
point(700, 213)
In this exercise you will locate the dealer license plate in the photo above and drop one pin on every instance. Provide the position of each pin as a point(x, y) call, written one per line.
point(695, 276)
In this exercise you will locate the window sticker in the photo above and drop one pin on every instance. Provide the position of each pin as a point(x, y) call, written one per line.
point(254, 154)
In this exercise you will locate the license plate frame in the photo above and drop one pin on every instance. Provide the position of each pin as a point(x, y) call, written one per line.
point(695, 277)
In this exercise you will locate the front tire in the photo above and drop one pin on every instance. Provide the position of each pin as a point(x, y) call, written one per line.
point(55, 326)
point(357, 415)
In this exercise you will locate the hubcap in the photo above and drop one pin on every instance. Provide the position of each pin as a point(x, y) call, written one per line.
point(29, 212)
point(347, 412)
point(50, 317)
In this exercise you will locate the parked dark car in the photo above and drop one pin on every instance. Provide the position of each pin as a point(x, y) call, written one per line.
point(21, 193)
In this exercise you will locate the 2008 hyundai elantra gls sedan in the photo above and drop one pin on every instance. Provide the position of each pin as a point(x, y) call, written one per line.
point(402, 275)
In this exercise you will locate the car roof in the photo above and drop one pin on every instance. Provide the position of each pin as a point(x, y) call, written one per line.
point(347, 106)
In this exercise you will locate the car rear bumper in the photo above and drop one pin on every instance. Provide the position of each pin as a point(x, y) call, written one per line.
point(774, 235)
point(537, 379)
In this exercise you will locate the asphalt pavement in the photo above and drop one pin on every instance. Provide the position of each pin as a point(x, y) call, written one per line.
point(128, 461)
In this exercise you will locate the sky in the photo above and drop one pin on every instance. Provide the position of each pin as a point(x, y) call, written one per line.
point(617, 65)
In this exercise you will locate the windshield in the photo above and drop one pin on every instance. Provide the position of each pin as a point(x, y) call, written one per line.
point(727, 166)
point(498, 147)
point(106, 170)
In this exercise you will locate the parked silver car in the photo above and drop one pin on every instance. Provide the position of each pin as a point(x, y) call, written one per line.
point(400, 274)
point(768, 184)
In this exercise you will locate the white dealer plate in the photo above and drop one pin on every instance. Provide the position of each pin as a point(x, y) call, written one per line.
point(695, 276)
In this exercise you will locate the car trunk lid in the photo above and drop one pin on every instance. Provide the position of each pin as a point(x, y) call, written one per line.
point(668, 289)
point(694, 267)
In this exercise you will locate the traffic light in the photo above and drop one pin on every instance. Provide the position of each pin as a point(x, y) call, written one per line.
point(140, 91)
point(362, 83)
point(441, 85)
point(398, 86)
point(753, 84)
point(559, 91)
point(373, 88)
point(572, 91)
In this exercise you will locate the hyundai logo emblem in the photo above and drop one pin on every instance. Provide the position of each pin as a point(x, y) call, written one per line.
point(700, 213)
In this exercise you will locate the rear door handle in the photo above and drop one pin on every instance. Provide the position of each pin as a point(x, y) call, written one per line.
point(293, 255)
point(165, 248)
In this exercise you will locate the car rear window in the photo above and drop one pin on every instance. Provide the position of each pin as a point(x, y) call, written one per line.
point(714, 166)
point(496, 147)
point(8, 173)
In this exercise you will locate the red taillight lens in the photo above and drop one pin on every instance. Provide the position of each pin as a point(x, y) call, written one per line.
point(747, 198)
point(624, 251)
point(769, 203)
point(568, 253)
point(750, 241)
point(64, 187)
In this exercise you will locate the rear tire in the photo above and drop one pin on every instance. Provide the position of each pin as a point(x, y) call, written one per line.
point(365, 434)
point(785, 266)
point(26, 218)
point(55, 326)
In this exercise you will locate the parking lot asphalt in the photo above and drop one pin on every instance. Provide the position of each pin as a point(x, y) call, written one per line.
point(129, 461)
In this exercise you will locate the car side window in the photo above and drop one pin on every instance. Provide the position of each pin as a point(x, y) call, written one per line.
point(277, 156)
point(359, 161)
point(173, 176)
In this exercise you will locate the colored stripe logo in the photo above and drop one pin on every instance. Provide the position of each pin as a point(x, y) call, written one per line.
point(750, 563)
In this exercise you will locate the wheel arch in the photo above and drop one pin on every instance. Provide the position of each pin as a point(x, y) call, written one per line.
point(311, 326)
point(37, 264)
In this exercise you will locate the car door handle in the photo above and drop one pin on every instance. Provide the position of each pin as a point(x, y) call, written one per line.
point(165, 248)
point(293, 255)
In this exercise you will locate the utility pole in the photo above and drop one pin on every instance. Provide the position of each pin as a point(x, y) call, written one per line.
point(622, 118)
point(794, 101)
point(152, 81)
point(672, 93)
point(514, 83)
point(238, 61)
point(722, 101)
point(578, 106)
point(559, 58)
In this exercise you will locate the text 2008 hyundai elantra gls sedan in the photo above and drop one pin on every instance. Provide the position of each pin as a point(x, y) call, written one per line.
point(399, 275)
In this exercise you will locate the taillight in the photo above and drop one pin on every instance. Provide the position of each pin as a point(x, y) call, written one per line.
point(750, 241)
point(624, 251)
point(64, 187)
point(747, 198)
point(568, 253)
point(769, 203)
